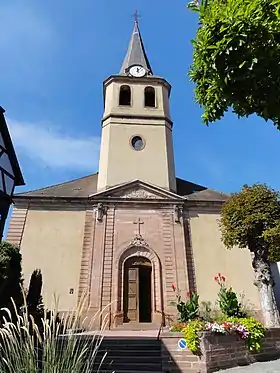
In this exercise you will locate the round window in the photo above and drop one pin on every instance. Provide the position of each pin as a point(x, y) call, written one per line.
point(137, 143)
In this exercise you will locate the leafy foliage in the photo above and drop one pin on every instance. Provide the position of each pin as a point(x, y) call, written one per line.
point(188, 310)
point(192, 335)
point(228, 300)
point(256, 332)
point(10, 275)
point(236, 60)
point(252, 217)
point(248, 329)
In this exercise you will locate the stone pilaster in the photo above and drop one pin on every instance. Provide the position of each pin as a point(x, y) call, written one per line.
point(106, 292)
point(169, 262)
point(189, 254)
point(87, 254)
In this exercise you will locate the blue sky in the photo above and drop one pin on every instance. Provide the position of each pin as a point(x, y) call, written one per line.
point(54, 58)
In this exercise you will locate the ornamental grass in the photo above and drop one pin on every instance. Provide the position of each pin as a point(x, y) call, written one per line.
point(52, 344)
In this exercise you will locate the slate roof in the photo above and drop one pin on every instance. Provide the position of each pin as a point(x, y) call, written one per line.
point(136, 54)
point(78, 188)
point(207, 195)
point(86, 186)
point(10, 149)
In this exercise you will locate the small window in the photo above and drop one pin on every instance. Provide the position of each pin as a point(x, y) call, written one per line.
point(125, 95)
point(137, 143)
point(150, 97)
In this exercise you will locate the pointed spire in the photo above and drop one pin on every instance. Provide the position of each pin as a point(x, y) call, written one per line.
point(136, 54)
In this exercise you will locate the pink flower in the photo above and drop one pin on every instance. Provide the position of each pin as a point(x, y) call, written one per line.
point(173, 287)
point(223, 278)
point(188, 294)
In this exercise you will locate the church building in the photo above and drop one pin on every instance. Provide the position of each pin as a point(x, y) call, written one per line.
point(125, 234)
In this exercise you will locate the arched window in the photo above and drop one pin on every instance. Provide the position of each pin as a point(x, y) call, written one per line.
point(125, 95)
point(150, 97)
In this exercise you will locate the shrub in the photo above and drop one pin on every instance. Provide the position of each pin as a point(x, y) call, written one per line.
point(256, 332)
point(192, 335)
point(10, 275)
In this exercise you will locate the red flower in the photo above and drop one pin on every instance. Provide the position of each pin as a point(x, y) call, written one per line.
point(188, 294)
point(173, 287)
point(223, 278)
point(215, 278)
point(219, 275)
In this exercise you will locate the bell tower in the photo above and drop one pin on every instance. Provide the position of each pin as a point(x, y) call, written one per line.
point(136, 141)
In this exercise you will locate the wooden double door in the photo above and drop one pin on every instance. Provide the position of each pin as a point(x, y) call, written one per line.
point(137, 290)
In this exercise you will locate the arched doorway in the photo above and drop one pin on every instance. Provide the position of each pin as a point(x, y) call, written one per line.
point(137, 290)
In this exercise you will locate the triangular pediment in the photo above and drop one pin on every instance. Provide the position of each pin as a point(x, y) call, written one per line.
point(136, 190)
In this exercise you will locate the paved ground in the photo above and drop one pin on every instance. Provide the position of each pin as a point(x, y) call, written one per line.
point(267, 367)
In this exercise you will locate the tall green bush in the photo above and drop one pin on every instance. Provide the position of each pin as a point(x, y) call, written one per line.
point(10, 275)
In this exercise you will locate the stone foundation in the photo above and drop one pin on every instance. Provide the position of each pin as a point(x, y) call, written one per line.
point(218, 352)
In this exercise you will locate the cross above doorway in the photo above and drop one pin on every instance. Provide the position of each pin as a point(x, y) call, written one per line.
point(138, 222)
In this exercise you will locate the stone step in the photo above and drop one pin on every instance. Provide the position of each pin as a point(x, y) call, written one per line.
point(130, 346)
point(134, 358)
point(128, 367)
point(128, 353)
point(134, 326)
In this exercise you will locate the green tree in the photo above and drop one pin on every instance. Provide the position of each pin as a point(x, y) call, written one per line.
point(34, 298)
point(236, 60)
point(251, 219)
point(10, 275)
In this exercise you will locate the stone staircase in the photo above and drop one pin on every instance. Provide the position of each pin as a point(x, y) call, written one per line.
point(135, 326)
point(129, 354)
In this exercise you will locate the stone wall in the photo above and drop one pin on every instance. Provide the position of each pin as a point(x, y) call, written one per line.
point(175, 360)
point(218, 352)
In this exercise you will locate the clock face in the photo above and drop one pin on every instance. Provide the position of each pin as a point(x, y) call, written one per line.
point(137, 71)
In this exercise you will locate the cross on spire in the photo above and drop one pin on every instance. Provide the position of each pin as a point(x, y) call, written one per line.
point(136, 54)
point(136, 16)
point(139, 222)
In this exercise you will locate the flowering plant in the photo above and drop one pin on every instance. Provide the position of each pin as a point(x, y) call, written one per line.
point(227, 327)
point(248, 329)
point(228, 300)
point(188, 310)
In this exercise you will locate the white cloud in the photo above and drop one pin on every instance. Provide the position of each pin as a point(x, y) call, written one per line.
point(46, 145)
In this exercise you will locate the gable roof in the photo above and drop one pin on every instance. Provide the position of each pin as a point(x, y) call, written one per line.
point(10, 149)
point(185, 187)
point(85, 187)
point(208, 195)
point(78, 188)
